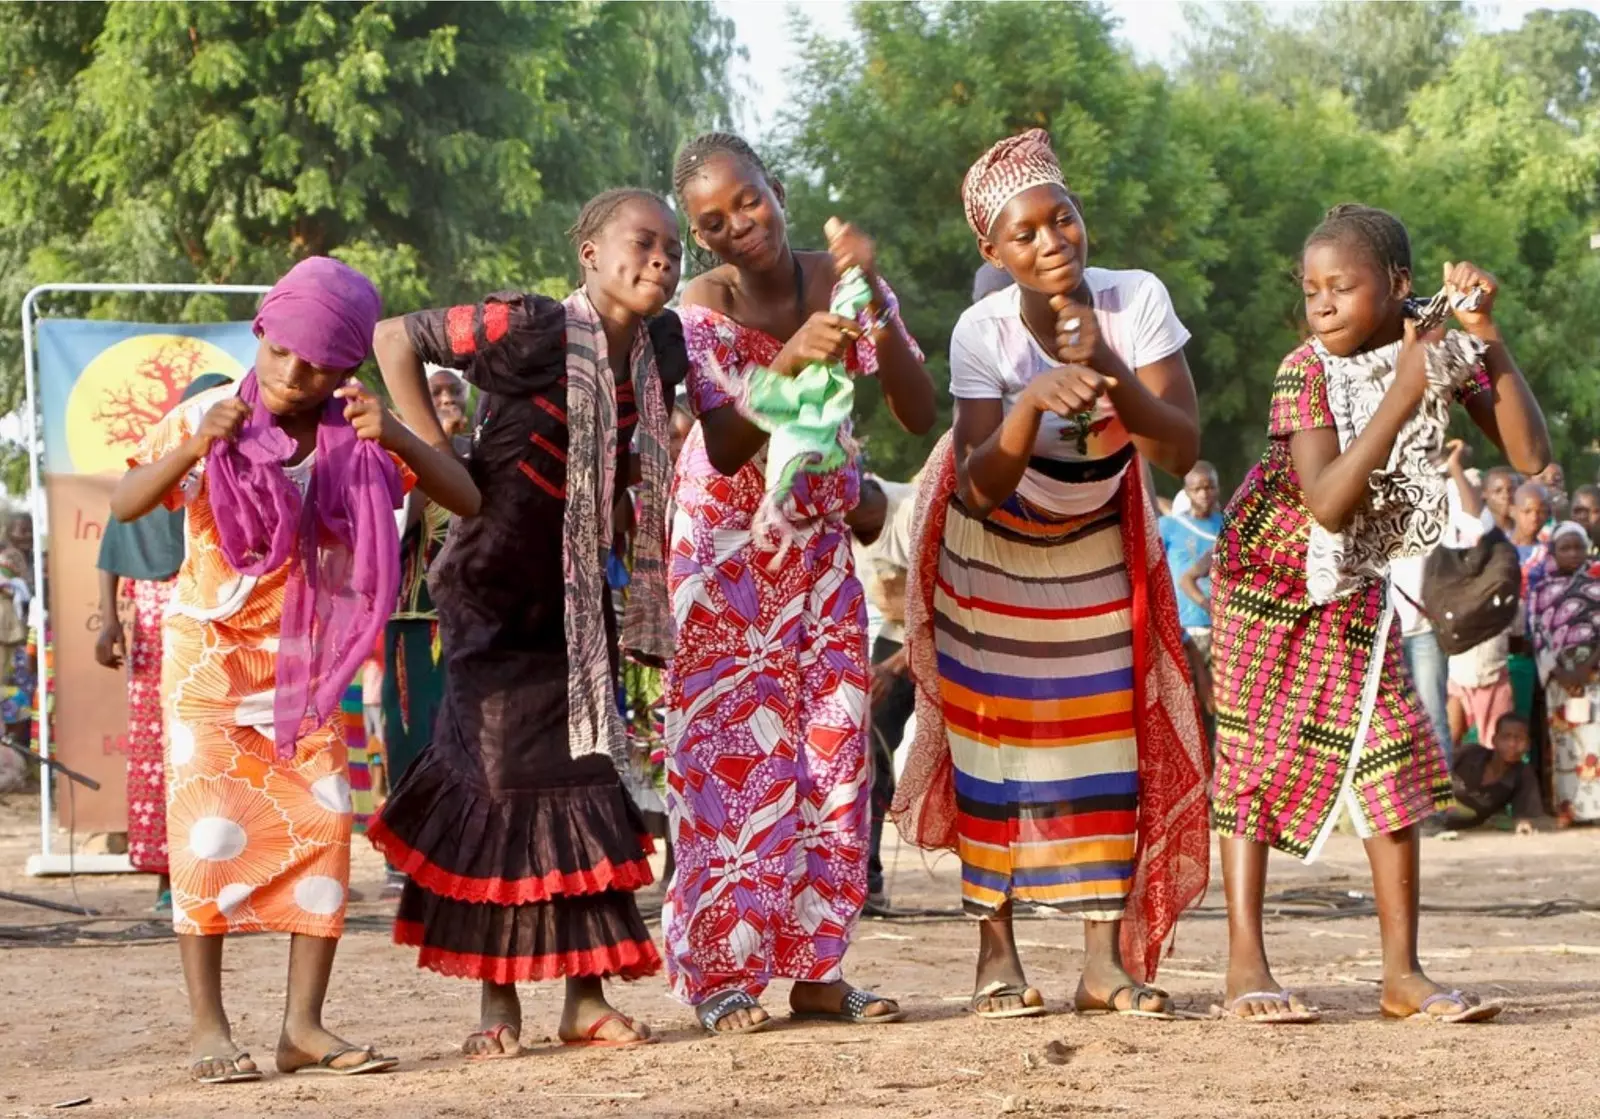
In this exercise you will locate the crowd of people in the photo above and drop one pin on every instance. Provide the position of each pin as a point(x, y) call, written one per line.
point(617, 607)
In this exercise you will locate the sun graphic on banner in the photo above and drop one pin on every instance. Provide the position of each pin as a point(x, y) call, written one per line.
point(129, 387)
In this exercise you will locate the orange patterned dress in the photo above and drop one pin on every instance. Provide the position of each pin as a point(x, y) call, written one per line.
point(254, 843)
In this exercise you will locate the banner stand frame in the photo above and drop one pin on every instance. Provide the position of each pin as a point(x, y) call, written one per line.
point(47, 862)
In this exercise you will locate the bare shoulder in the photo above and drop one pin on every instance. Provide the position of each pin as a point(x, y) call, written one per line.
point(713, 289)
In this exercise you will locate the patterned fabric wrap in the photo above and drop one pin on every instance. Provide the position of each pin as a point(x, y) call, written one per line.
point(1564, 612)
point(1315, 707)
point(593, 722)
point(806, 414)
point(1407, 508)
point(1172, 860)
point(1012, 166)
point(147, 786)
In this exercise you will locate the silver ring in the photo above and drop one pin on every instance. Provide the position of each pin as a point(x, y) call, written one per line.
point(1072, 339)
point(1072, 324)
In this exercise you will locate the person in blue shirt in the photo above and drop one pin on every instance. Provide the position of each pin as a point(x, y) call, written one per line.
point(1188, 536)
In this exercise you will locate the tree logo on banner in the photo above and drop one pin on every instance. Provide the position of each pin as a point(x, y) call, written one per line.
point(128, 388)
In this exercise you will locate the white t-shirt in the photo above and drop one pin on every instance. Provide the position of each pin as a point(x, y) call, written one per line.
point(993, 356)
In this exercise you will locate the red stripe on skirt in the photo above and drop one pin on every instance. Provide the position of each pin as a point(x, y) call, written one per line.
point(1084, 825)
point(629, 959)
point(1010, 610)
point(605, 875)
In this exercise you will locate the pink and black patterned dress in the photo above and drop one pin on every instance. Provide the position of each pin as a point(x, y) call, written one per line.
point(767, 706)
point(1315, 704)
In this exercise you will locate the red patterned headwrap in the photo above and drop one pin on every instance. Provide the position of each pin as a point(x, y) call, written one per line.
point(1005, 171)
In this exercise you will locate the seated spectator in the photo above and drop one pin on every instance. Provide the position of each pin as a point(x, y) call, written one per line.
point(1487, 781)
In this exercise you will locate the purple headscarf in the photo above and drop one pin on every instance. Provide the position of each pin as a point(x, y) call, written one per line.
point(340, 539)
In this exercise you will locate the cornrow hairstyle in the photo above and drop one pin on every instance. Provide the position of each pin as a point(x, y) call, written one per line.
point(1378, 233)
point(696, 152)
point(599, 210)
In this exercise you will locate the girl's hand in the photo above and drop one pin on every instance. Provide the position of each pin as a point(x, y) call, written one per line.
point(824, 337)
point(850, 247)
point(1077, 338)
point(1411, 367)
point(367, 414)
point(1066, 391)
point(223, 421)
point(1463, 277)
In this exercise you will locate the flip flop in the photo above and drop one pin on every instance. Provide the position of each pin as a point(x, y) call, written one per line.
point(325, 1067)
point(498, 1035)
point(1481, 1012)
point(853, 1010)
point(592, 1040)
point(1108, 1005)
point(234, 1075)
point(718, 1007)
point(1288, 1017)
point(997, 989)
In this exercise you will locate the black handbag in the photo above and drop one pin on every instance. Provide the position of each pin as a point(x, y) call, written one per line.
point(1470, 595)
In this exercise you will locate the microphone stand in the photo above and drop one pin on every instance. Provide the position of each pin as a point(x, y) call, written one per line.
point(70, 774)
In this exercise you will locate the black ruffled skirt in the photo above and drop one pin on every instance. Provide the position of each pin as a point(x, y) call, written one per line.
point(508, 885)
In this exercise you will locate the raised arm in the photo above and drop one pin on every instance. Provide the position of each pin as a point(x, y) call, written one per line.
point(1508, 414)
point(156, 482)
point(1333, 484)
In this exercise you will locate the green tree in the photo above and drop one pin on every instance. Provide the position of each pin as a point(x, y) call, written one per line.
point(1213, 177)
point(1377, 54)
point(442, 148)
point(885, 127)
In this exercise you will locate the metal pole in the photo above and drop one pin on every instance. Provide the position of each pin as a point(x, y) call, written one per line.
point(37, 504)
point(36, 501)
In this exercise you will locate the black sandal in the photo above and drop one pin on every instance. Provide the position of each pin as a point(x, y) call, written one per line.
point(718, 1007)
point(1086, 1004)
point(853, 1010)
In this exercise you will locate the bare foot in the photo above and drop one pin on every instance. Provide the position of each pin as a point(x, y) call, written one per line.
point(828, 998)
point(586, 1005)
point(499, 1031)
point(212, 1053)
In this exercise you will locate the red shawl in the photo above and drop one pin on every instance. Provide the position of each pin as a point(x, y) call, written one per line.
point(1174, 854)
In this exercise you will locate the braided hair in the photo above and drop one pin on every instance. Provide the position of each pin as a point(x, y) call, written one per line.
point(1377, 233)
point(599, 210)
point(706, 146)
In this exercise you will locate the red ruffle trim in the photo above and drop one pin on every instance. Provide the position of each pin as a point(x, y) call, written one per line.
point(604, 876)
point(630, 959)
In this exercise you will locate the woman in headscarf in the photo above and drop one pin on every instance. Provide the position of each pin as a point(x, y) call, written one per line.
point(290, 480)
point(139, 562)
point(1057, 747)
point(1564, 615)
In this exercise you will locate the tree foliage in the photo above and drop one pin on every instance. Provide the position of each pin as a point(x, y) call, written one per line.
point(443, 148)
point(1212, 176)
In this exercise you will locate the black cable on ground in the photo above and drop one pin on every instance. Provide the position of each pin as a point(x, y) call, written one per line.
point(1316, 903)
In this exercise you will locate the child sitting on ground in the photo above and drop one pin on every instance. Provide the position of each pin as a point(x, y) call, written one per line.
point(1487, 780)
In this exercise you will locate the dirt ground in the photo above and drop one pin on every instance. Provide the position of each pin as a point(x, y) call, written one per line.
point(107, 1021)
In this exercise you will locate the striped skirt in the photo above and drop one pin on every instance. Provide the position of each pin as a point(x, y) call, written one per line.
point(1033, 628)
point(352, 717)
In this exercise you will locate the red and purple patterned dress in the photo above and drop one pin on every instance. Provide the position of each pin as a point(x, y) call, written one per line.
point(1306, 721)
point(767, 705)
